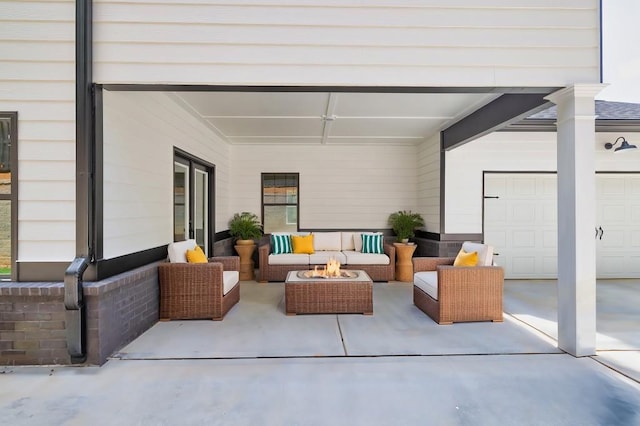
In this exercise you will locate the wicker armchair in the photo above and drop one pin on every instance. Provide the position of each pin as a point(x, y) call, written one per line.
point(461, 293)
point(196, 290)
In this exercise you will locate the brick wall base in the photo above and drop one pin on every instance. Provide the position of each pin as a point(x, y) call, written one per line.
point(33, 317)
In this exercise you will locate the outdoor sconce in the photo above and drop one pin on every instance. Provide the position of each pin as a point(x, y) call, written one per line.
point(623, 145)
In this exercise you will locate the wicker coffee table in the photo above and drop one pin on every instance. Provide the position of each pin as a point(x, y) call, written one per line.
point(353, 294)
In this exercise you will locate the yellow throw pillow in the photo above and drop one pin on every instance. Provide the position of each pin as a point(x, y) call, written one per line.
point(196, 256)
point(466, 259)
point(302, 245)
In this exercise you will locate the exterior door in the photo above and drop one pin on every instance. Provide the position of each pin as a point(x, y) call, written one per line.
point(192, 209)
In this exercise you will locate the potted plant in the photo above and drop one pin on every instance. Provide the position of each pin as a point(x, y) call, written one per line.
point(245, 227)
point(404, 223)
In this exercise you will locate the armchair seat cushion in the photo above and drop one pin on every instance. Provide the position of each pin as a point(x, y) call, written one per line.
point(427, 281)
point(289, 259)
point(322, 257)
point(229, 280)
point(359, 258)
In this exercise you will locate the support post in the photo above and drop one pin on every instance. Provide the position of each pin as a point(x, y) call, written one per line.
point(576, 218)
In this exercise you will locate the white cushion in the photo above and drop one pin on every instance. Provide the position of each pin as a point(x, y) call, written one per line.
point(331, 241)
point(322, 257)
point(427, 281)
point(347, 241)
point(288, 259)
point(357, 239)
point(229, 280)
point(485, 252)
point(178, 250)
point(358, 258)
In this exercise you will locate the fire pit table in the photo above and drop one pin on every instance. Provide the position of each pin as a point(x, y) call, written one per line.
point(351, 292)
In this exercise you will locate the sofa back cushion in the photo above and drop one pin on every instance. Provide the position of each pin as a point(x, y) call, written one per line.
point(485, 252)
point(347, 241)
point(327, 241)
point(177, 251)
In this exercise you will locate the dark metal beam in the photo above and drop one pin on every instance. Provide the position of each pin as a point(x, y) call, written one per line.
point(506, 109)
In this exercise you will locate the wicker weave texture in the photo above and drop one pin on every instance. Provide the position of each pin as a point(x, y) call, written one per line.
point(279, 272)
point(464, 293)
point(329, 297)
point(195, 291)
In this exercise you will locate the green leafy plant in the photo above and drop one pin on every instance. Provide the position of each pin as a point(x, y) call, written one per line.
point(404, 223)
point(245, 226)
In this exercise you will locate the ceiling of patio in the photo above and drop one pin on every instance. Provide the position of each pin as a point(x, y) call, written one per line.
point(330, 117)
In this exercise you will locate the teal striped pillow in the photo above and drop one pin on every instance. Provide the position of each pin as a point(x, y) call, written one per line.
point(281, 243)
point(372, 243)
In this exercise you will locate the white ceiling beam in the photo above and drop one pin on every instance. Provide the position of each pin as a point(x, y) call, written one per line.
point(329, 116)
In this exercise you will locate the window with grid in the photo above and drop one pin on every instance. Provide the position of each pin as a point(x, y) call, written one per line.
point(8, 190)
point(280, 202)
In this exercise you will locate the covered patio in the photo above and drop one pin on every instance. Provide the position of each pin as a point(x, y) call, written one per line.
point(257, 327)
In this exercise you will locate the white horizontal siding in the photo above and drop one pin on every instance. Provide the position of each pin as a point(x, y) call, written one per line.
point(140, 132)
point(37, 80)
point(340, 186)
point(428, 188)
point(427, 43)
point(508, 152)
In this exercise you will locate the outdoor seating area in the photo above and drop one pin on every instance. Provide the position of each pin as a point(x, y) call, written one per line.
point(197, 288)
point(458, 289)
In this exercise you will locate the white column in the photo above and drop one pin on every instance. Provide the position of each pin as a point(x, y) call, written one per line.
point(576, 218)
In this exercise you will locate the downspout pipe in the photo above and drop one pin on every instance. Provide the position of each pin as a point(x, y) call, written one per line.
point(85, 166)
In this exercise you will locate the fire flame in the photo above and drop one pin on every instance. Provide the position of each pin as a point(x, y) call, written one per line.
point(330, 270)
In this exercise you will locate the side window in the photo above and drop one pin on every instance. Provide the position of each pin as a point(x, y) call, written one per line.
point(8, 192)
point(280, 202)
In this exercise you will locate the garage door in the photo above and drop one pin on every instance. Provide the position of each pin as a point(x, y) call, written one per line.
point(520, 221)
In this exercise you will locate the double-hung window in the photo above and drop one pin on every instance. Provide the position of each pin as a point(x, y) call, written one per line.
point(280, 202)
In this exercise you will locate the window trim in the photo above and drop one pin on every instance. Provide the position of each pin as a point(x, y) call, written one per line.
point(13, 197)
point(297, 204)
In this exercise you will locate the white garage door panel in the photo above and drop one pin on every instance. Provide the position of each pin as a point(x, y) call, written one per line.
point(524, 239)
point(549, 266)
point(526, 236)
point(613, 240)
point(610, 265)
point(523, 264)
point(550, 240)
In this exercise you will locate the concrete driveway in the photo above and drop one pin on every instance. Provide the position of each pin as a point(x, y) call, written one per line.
point(259, 366)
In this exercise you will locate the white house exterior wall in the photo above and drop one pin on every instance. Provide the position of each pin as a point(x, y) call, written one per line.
point(140, 131)
point(428, 189)
point(371, 42)
point(37, 79)
point(340, 186)
point(509, 152)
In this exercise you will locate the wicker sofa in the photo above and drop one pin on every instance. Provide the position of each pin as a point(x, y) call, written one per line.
point(197, 290)
point(342, 246)
point(451, 294)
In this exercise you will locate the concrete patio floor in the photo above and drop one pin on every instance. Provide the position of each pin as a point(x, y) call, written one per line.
point(259, 366)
